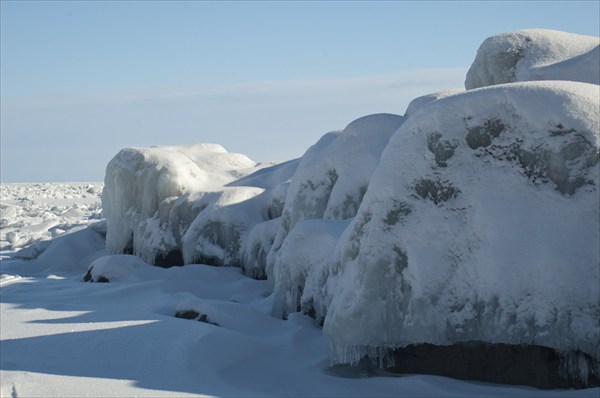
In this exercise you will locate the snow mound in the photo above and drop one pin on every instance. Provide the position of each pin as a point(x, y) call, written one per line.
point(117, 268)
point(535, 54)
point(481, 223)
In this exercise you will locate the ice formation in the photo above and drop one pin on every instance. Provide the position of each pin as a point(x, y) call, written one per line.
point(487, 229)
point(184, 204)
point(474, 218)
point(535, 54)
point(152, 194)
point(329, 185)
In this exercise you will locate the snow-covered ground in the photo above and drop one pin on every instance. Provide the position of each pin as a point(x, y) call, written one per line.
point(61, 336)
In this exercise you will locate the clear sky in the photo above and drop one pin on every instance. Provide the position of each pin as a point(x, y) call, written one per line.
point(82, 79)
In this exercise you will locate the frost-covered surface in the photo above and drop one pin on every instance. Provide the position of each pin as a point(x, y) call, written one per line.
point(31, 213)
point(535, 54)
point(153, 195)
point(481, 223)
point(330, 182)
point(61, 337)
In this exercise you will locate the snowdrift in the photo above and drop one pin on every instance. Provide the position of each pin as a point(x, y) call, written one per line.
point(468, 228)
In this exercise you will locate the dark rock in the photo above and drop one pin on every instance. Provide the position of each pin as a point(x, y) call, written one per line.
point(435, 190)
point(442, 150)
point(530, 365)
point(187, 314)
point(88, 277)
point(195, 315)
point(174, 258)
point(482, 136)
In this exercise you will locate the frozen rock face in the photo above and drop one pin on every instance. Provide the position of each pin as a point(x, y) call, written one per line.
point(330, 182)
point(151, 195)
point(535, 54)
point(481, 223)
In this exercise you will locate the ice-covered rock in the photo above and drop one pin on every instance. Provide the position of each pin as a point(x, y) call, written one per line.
point(535, 54)
point(329, 184)
point(220, 234)
point(481, 223)
point(301, 273)
point(152, 195)
point(217, 235)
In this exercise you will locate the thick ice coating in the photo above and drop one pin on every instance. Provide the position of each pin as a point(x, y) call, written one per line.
point(481, 223)
point(143, 190)
point(329, 184)
point(535, 54)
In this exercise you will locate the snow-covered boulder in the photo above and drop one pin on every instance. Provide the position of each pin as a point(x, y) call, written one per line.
point(217, 235)
point(152, 195)
point(220, 234)
point(481, 223)
point(535, 54)
point(418, 102)
point(329, 184)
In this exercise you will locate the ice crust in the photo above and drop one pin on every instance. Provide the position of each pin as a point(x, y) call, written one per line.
point(473, 217)
point(535, 54)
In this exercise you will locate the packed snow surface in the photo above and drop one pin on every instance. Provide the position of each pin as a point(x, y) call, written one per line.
point(62, 337)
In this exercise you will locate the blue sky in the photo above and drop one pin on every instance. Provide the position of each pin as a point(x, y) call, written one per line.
point(82, 79)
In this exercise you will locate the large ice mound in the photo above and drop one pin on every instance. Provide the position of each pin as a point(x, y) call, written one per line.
point(152, 195)
point(481, 223)
point(329, 186)
point(535, 54)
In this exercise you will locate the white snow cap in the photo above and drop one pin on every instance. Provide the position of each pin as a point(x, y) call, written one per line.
point(418, 102)
point(535, 54)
